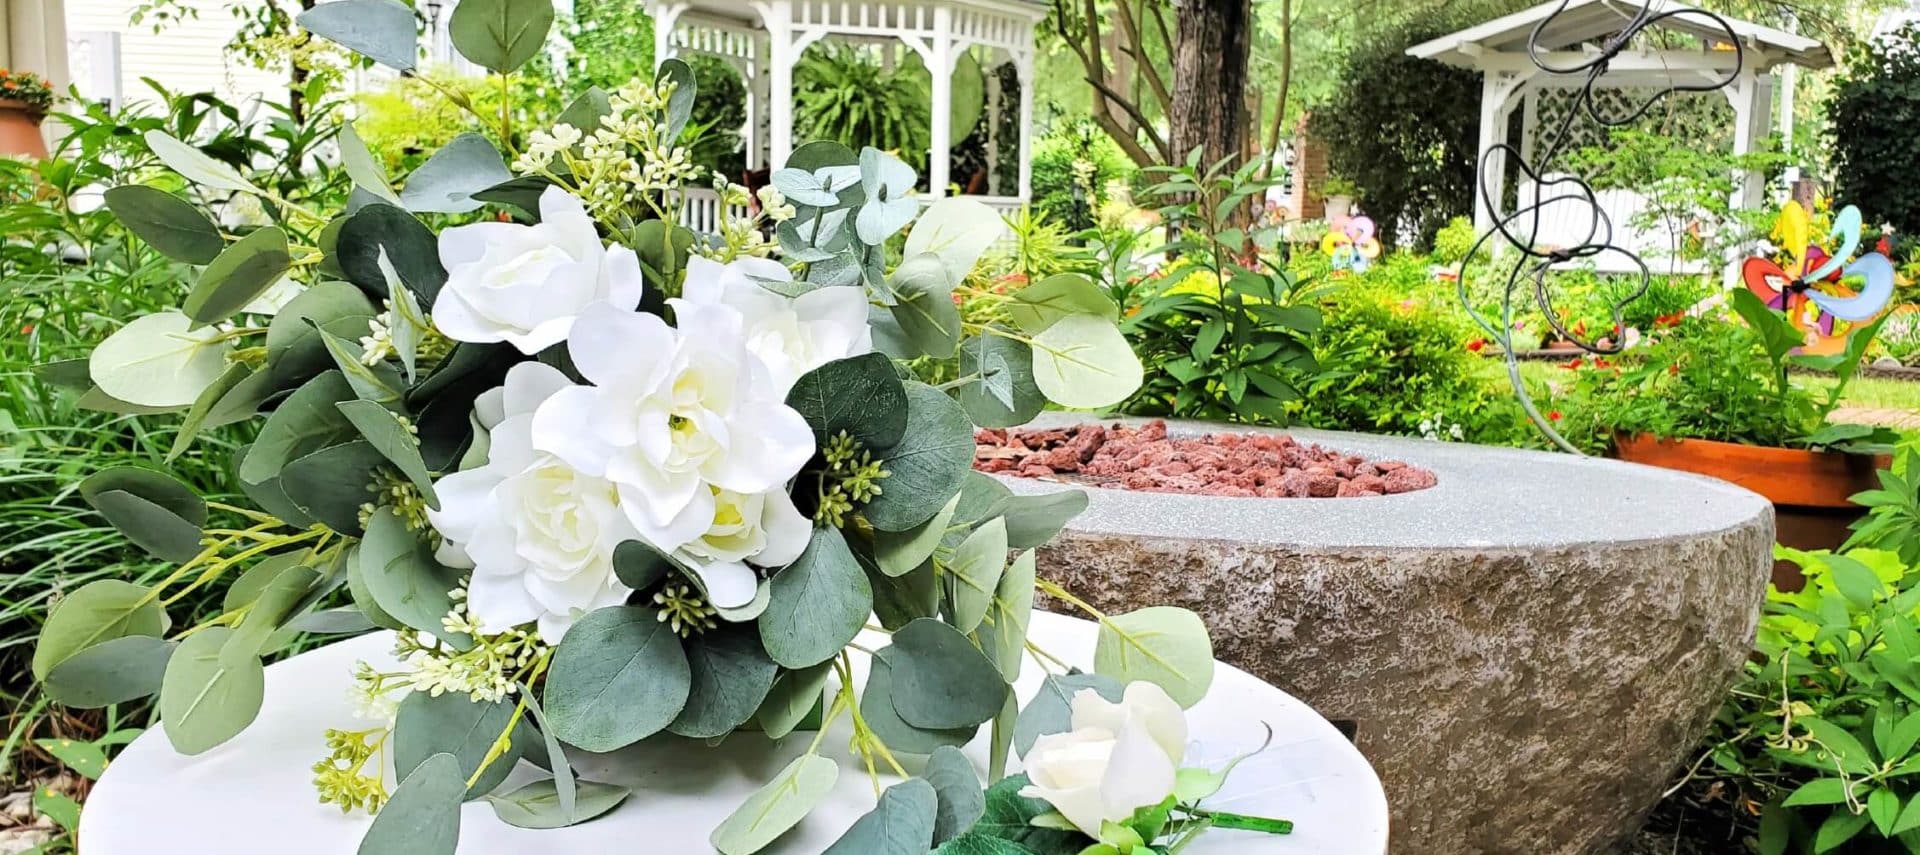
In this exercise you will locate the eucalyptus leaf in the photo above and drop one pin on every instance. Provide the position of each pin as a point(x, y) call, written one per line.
point(96, 612)
point(1004, 393)
point(445, 184)
point(423, 815)
point(209, 402)
point(900, 553)
point(778, 806)
point(957, 787)
point(1041, 304)
point(927, 466)
point(362, 167)
point(305, 422)
point(900, 600)
point(112, 672)
point(1004, 635)
point(618, 677)
point(877, 710)
point(732, 676)
point(860, 396)
point(295, 350)
point(974, 574)
point(956, 229)
point(205, 699)
point(194, 164)
point(276, 601)
point(818, 603)
point(241, 273)
point(1163, 645)
point(158, 361)
point(382, 430)
point(166, 222)
point(794, 696)
point(411, 248)
point(680, 103)
point(401, 575)
point(156, 487)
point(923, 292)
point(331, 485)
point(380, 30)
point(940, 680)
point(537, 805)
point(1083, 361)
point(500, 35)
point(453, 723)
point(1032, 520)
point(156, 529)
point(901, 824)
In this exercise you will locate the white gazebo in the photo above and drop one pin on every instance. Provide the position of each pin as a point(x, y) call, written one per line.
point(764, 40)
point(1512, 82)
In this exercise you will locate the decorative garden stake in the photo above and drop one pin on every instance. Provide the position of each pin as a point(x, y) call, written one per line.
point(1350, 243)
point(606, 479)
point(1531, 263)
point(1805, 282)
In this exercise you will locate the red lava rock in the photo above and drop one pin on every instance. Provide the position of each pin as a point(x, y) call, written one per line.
point(1226, 464)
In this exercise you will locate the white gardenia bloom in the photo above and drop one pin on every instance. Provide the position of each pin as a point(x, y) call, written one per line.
point(538, 533)
point(792, 335)
point(526, 284)
point(1117, 759)
point(689, 427)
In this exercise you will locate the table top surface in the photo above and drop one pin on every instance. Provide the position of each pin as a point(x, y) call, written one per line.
point(254, 794)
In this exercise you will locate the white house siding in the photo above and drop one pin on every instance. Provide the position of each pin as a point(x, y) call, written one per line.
point(189, 56)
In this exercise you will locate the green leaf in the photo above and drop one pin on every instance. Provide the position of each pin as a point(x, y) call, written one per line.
point(731, 678)
point(1855, 581)
point(1777, 336)
point(940, 680)
point(1908, 820)
point(957, 230)
point(1032, 521)
point(927, 466)
point(380, 30)
point(680, 103)
point(454, 724)
point(1847, 751)
point(240, 275)
point(900, 553)
point(1819, 791)
point(158, 361)
point(195, 166)
point(901, 824)
point(1166, 646)
point(957, 786)
point(57, 806)
point(537, 805)
point(445, 184)
point(111, 672)
point(166, 222)
point(500, 35)
point(778, 806)
point(86, 758)
point(880, 715)
point(1009, 816)
point(619, 676)
point(923, 290)
point(205, 699)
point(379, 382)
point(305, 422)
point(331, 485)
point(362, 167)
point(396, 444)
point(274, 604)
point(1883, 807)
point(795, 696)
point(423, 816)
point(1082, 361)
point(1004, 636)
point(1005, 394)
point(149, 526)
point(158, 488)
point(980, 844)
point(860, 395)
point(1051, 710)
point(97, 612)
point(208, 409)
point(1840, 825)
point(818, 603)
point(587, 110)
point(410, 247)
point(1042, 304)
point(401, 576)
point(974, 574)
point(295, 351)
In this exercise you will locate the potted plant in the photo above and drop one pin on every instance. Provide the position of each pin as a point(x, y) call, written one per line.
point(24, 99)
point(1338, 194)
point(1716, 397)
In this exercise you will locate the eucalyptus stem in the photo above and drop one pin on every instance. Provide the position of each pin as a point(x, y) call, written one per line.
point(216, 568)
point(1055, 591)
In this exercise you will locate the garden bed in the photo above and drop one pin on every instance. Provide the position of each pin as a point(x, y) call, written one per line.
point(1143, 457)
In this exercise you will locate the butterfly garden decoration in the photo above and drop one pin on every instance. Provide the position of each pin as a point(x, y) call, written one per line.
point(1822, 293)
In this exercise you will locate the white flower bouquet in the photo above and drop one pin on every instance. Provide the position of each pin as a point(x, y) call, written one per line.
point(608, 480)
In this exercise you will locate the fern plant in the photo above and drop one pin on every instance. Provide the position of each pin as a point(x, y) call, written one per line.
point(846, 97)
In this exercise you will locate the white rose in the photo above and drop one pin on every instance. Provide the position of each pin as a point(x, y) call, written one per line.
point(526, 284)
point(538, 533)
point(1117, 759)
point(676, 418)
point(762, 528)
point(792, 335)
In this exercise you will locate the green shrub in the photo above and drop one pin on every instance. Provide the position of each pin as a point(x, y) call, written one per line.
point(1073, 195)
point(1454, 240)
point(844, 96)
point(1875, 153)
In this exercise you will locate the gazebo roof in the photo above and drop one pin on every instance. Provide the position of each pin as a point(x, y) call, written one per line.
point(1584, 20)
point(746, 15)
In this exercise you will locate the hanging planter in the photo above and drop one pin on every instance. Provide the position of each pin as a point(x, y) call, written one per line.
point(24, 99)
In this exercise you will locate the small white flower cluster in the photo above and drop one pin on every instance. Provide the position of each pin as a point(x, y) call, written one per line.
point(631, 155)
point(1436, 428)
point(746, 237)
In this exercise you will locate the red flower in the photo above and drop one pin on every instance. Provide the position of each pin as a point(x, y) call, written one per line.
point(1573, 363)
point(1477, 345)
point(1580, 328)
point(1674, 368)
point(1672, 320)
point(27, 330)
point(1884, 247)
point(1553, 416)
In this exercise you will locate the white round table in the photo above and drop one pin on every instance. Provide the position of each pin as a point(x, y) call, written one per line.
point(254, 794)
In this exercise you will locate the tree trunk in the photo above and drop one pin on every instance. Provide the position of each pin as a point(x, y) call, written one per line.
point(1210, 78)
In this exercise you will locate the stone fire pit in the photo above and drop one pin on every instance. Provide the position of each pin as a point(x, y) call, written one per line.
point(1527, 650)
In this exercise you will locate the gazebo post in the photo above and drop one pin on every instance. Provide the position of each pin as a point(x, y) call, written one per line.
point(940, 66)
point(1752, 98)
point(778, 17)
point(1024, 68)
point(1497, 92)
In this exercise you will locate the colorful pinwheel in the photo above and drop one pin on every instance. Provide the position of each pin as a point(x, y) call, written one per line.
point(1816, 288)
point(1350, 243)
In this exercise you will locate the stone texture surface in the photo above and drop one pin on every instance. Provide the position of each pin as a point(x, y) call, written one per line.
point(1527, 651)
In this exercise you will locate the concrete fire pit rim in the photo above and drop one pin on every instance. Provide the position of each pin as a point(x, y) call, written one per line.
point(1487, 499)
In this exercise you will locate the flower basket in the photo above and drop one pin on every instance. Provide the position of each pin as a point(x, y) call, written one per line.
point(20, 129)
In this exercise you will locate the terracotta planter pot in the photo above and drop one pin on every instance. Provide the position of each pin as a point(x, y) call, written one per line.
point(1808, 489)
point(20, 129)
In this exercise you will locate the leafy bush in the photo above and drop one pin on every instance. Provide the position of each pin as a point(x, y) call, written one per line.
point(1401, 365)
point(845, 97)
point(1072, 168)
point(1870, 119)
point(1229, 339)
point(1454, 240)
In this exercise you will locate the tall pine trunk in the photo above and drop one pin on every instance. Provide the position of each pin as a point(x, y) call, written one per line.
point(1210, 78)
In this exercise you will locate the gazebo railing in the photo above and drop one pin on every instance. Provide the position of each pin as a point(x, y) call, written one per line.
point(700, 208)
